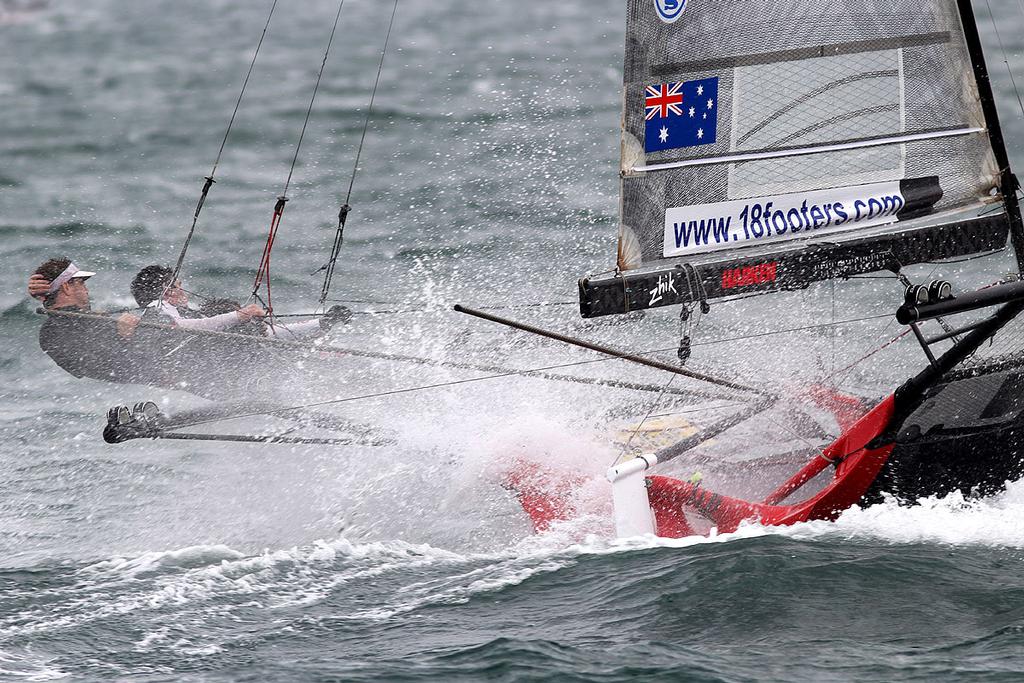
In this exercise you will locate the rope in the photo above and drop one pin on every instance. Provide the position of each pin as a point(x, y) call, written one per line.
point(210, 178)
point(339, 235)
point(863, 358)
point(263, 273)
point(383, 394)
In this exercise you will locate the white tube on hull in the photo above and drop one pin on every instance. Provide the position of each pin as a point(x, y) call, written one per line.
point(633, 514)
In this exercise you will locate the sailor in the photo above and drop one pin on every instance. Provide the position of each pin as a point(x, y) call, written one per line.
point(151, 282)
point(157, 295)
point(154, 291)
point(82, 346)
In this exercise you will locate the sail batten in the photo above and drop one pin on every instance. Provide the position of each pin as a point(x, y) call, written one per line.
point(798, 54)
point(803, 151)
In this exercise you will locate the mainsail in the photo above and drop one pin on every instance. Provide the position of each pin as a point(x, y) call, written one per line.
point(768, 145)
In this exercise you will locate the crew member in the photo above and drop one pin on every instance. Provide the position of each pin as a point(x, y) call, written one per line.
point(82, 346)
point(154, 291)
point(151, 292)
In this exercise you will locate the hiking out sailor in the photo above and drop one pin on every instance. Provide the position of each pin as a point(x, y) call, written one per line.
point(154, 291)
point(152, 281)
point(158, 296)
point(84, 347)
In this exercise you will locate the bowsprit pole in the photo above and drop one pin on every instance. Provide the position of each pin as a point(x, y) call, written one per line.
point(612, 352)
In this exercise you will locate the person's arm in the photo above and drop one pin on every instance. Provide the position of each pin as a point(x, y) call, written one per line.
point(312, 328)
point(126, 324)
point(216, 323)
point(224, 321)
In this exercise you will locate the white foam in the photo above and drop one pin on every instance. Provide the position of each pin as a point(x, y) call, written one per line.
point(997, 521)
point(192, 556)
point(28, 666)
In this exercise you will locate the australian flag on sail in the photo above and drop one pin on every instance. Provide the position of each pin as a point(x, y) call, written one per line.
point(683, 114)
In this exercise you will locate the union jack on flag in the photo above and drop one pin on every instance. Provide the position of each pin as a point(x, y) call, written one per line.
point(681, 114)
point(664, 98)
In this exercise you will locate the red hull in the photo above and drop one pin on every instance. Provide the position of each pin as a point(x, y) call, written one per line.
point(545, 496)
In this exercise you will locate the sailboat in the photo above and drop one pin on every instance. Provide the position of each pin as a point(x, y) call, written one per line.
point(775, 150)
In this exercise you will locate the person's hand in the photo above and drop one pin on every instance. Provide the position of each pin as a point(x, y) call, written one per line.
point(247, 313)
point(334, 315)
point(126, 324)
point(38, 287)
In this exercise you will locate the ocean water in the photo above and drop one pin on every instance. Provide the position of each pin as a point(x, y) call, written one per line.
point(489, 179)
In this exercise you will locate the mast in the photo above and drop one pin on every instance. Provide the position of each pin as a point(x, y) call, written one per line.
point(1008, 181)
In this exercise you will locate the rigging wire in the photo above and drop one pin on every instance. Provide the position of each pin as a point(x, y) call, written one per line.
point(263, 273)
point(833, 327)
point(790, 330)
point(339, 235)
point(210, 178)
point(393, 392)
point(400, 311)
point(502, 375)
point(845, 372)
point(690, 411)
point(1002, 51)
point(446, 310)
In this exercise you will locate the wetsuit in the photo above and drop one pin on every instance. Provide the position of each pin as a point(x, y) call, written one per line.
point(87, 347)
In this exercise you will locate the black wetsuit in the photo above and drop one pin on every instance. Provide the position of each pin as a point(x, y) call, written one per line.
point(87, 347)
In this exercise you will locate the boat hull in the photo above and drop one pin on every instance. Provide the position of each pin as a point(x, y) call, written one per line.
point(967, 436)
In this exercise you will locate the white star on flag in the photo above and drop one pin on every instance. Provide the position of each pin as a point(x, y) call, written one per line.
point(700, 90)
point(664, 134)
point(700, 133)
point(711, 104)
point(692, 112)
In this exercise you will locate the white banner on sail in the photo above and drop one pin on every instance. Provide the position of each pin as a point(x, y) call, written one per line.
point(769, 220)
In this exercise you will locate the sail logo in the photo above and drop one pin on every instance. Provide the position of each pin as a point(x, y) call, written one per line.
point(750, 275)
point(681, 114)
point(746, 222)
point(666, 284)
point(669, 10)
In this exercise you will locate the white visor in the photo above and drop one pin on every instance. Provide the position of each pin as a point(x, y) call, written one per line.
point(71, 272)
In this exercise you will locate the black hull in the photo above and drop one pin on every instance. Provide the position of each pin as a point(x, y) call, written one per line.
point(213, 365)
point(967, 436)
